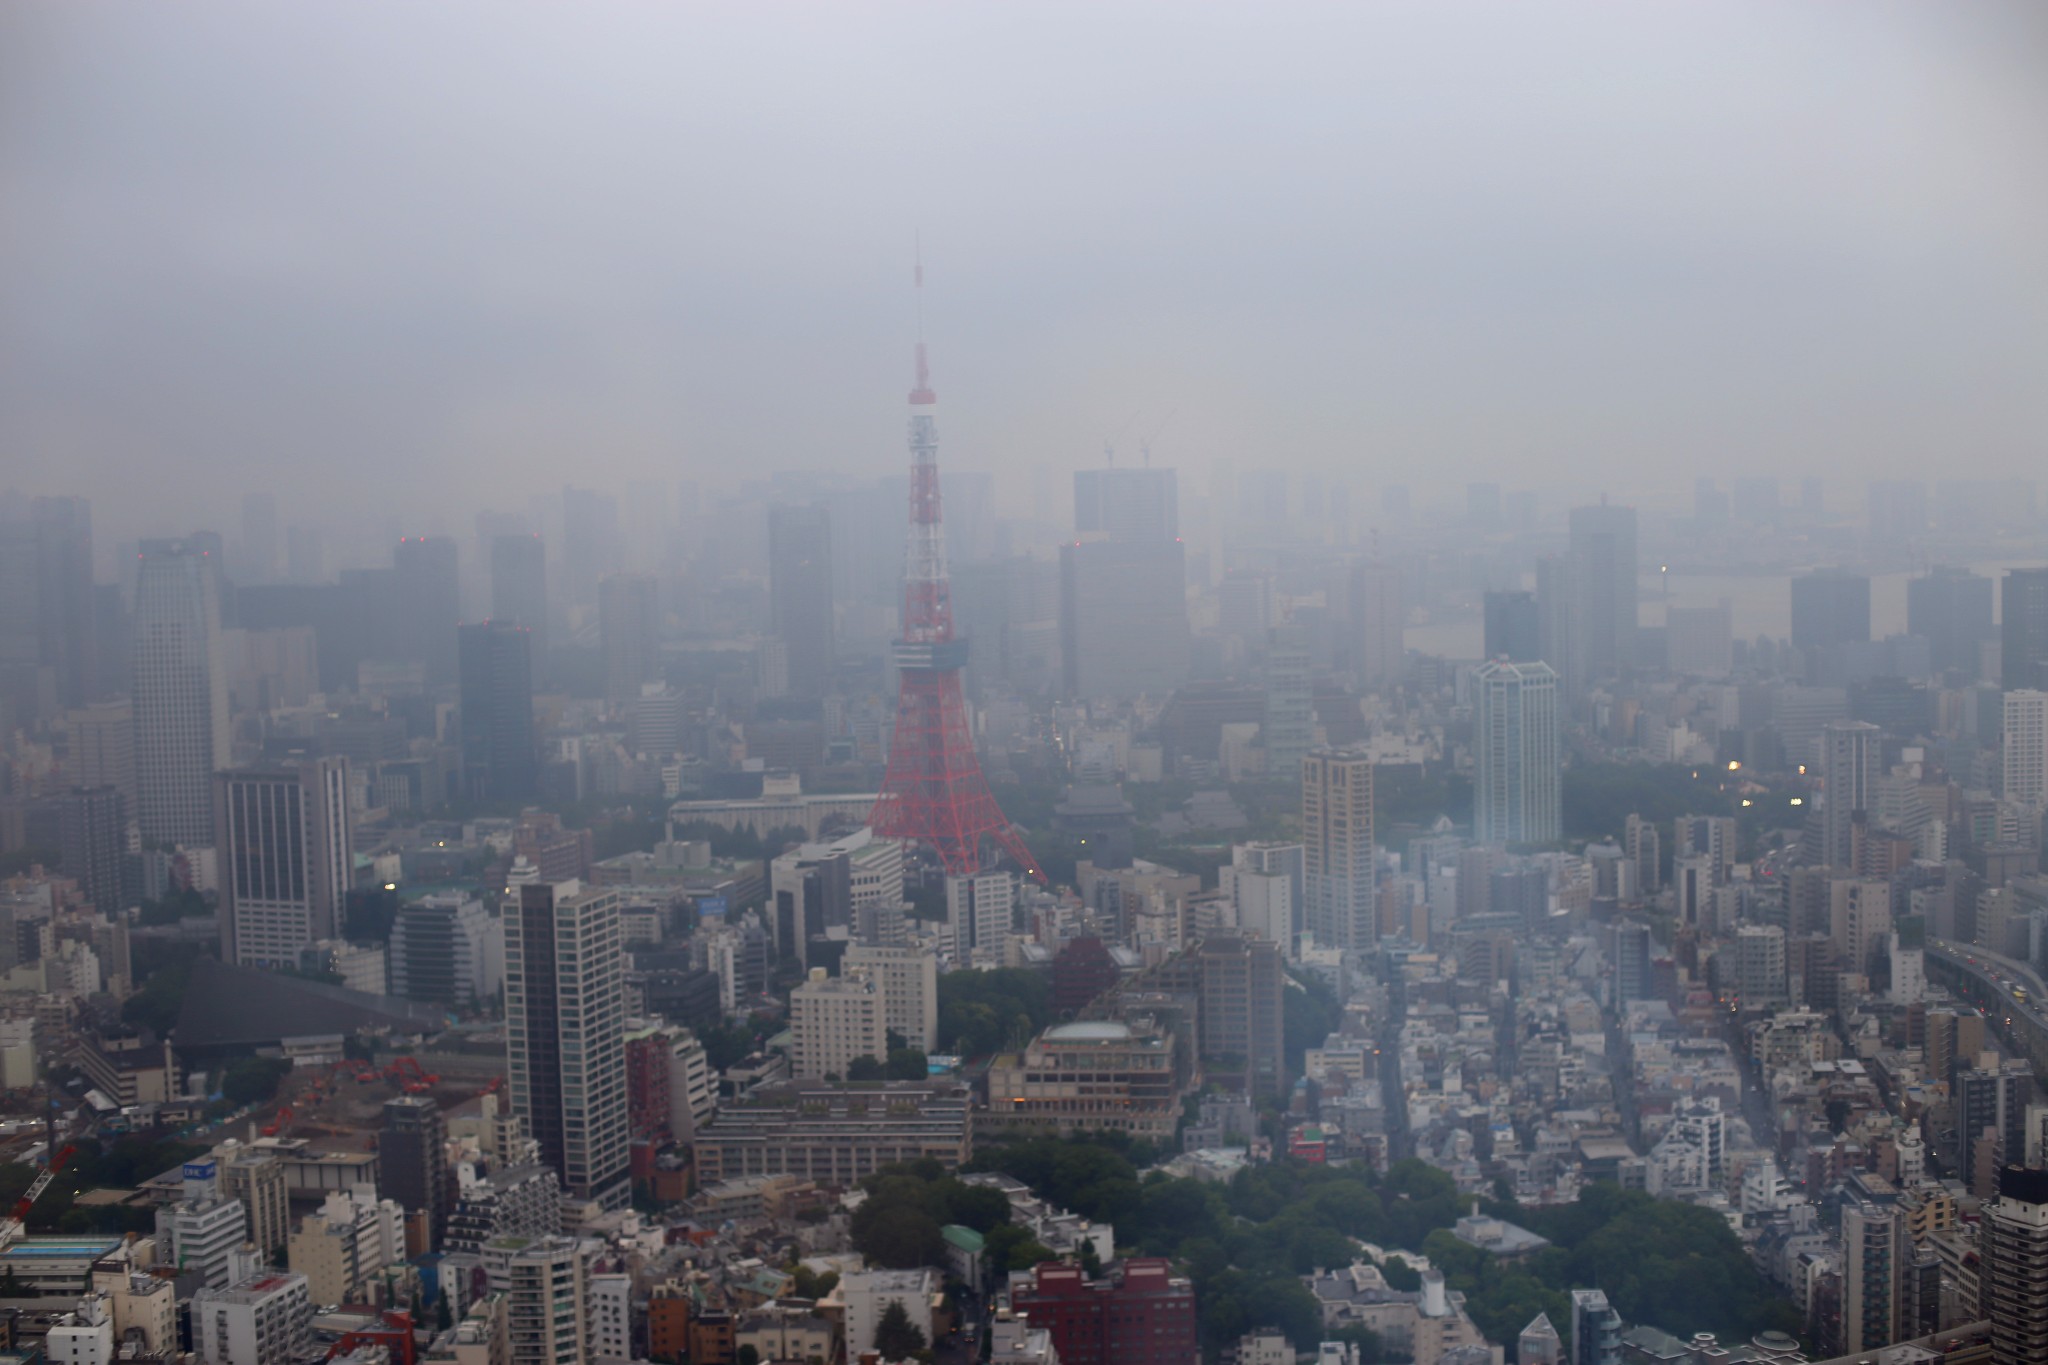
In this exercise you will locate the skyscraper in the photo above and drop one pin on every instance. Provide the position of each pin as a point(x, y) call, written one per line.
point(429, 604)
point(285, 859)
point(1289, 728)
point(1851, 759)
point(413, 1162)
point(800, 602)
point(1830, 607)
point(1337, 848)
point(92, 840)
point(519, 588)
point(499, 760)
point(1603, 590)
point(1123, 618)
point(1378, 618)
point(1516, 783)
point(2023, 629)
point(1874, 1242)
point(1137, 505)
point(1512, 630)
point(2012, 1273)
point(1123, 586)
point(1951, 609)
point(626, 620)
point(48, 645)
point(1631, 961)
point(181, 692)
point(546, 1283)
point(565, 1016)
point(2026, 746)
point(1830, 612)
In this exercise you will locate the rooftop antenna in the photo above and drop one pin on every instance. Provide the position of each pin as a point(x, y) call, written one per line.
point(923, 392)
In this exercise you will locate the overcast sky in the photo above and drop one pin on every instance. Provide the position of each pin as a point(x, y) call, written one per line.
point(438, 255)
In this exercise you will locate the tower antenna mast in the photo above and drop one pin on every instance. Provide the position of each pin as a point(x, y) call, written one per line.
point(935, 792)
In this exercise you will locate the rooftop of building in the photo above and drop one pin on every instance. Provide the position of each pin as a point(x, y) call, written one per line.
point(229, 1006)
point(1089, 1031)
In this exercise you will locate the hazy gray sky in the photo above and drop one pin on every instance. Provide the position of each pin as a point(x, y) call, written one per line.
point(452, 254)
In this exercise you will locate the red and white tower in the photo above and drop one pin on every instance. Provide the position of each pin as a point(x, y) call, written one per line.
point(935, 792)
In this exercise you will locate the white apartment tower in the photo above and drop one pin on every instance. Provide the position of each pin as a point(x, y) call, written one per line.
point(565, 1021)
point(1337, 848)
point(909, 982)
point(546, 1281)
point(1851, 755)
point(981, 909)
point(1516, 784)
point(180, 692)
point(834, 1020)
point(2026, 747)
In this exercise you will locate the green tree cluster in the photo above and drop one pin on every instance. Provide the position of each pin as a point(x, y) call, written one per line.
point(122, 1164)
point(896, 1336)
point(983, 1012)
point(252, 1080)
point(1598, 798)
point(1245, 1247)
point(904, 1064)
point(898, 1225)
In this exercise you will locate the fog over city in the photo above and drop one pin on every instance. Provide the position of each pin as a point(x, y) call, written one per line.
point(1023, 684)
point(406, 261)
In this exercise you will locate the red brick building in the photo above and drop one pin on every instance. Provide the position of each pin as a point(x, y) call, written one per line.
point(649, 1055)
point(1141, 1313)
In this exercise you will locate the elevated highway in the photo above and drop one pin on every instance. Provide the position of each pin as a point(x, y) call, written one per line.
point(1987, 980)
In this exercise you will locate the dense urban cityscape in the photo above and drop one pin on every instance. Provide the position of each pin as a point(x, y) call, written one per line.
point(1479, 886)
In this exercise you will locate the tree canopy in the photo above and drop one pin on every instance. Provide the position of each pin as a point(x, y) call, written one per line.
point(983, 1012)
point(896, 1336)
point(1245, 1246)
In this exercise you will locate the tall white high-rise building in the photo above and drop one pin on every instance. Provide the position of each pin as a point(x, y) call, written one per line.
point(1337, 848)
point(1516, 785)
point(1874, 1242)
point(285, 859)
point(1859, 919)
point(181, 692)
point(833, 1021)
point(909, 981)
point(1760, 964)
point(2026, 747)
point(565, 1021)
point(546, 1283)
point(981, 908)
point(1851, 762)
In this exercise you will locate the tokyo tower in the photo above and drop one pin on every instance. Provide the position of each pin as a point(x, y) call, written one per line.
point(935, 792)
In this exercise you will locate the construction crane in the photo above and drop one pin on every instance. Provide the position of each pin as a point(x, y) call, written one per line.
point(276, 1125)
point(17, 1221)
point(393, 1331)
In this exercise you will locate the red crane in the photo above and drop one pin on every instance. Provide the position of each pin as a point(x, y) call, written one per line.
point(41, 1183)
